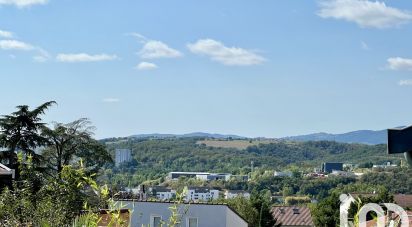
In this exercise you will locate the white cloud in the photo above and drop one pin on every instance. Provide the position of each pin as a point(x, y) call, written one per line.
point(15, 45)
point(405, 83)
point(399, 63)
point(146, 66)
point(42, 56)
point(365, 13)
point(141, 38)
point(23, 3)
point(83, 57)
point(153, 49)
point(217, 51)
point(6, 34)
point(11, 44)
point(111, 100)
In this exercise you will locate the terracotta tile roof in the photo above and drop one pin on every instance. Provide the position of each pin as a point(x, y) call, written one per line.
point(292, 216)
point(403, 200)
point(373, 223)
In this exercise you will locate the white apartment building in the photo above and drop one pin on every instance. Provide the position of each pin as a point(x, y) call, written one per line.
point(200, 175)
point(122, 155)
point(201, 194)
point(162, 193)
point(230, 194)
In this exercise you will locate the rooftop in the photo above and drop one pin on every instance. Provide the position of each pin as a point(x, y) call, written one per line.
point(292, 215)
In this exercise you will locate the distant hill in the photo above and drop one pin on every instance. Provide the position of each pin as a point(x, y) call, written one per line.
point(361, 136)
point(193, 134)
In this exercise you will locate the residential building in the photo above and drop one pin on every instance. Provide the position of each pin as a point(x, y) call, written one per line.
point(283, 174)
point(200, 175)
point(145, 213)
point(6, 176)
point(387, 165)
point(328, 167)
point(230, 194)
point(122, 155)
point(162, 193)
point(293, 216)
point(201, 194)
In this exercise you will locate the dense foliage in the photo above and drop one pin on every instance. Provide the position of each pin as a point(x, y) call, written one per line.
point(154, 158)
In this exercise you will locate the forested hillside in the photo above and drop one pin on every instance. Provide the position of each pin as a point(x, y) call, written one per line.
point(153, 158)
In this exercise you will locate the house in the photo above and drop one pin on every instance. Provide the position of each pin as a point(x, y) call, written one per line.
point(162, 193)
point(403, 200)
point(230, 194)
point(145, 213)
point(6, 176)
point(394, 220)
point(201, 194)
point(292, 216)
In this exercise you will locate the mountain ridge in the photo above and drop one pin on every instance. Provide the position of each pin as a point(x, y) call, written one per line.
point(371, 137)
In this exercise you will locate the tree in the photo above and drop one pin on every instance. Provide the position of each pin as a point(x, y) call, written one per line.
point(263, 206)
point(20, 131)
point(287, 191)
point(73, 140)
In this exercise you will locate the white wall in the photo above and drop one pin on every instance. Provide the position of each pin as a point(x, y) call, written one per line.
point(207, 215)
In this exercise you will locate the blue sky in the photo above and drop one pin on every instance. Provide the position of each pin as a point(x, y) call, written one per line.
point(253, 68)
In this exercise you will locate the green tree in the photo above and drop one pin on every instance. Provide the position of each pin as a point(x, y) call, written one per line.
point(264, 208)
point(73, 140)
point(20, 131)
point(287, 191)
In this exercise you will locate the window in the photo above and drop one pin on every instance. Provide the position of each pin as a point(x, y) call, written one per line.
point(155, 221)
point(192, 222)
point(296, 211)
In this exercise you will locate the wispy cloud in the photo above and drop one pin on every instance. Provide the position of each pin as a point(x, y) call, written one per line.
point(156, 49)
point(398, 63)
point(373, 14)
point(217, 51)
point(83, 57)
point(146, 66)
point(364, 45)
point(10, 44)
point(15, 45)
point(6, 34)
point(42, 56)
point(111, 100)
point(23, 3)
point(405, 83)
point(153, 49)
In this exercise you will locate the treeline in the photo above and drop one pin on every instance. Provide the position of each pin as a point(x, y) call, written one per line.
point(154, 158)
